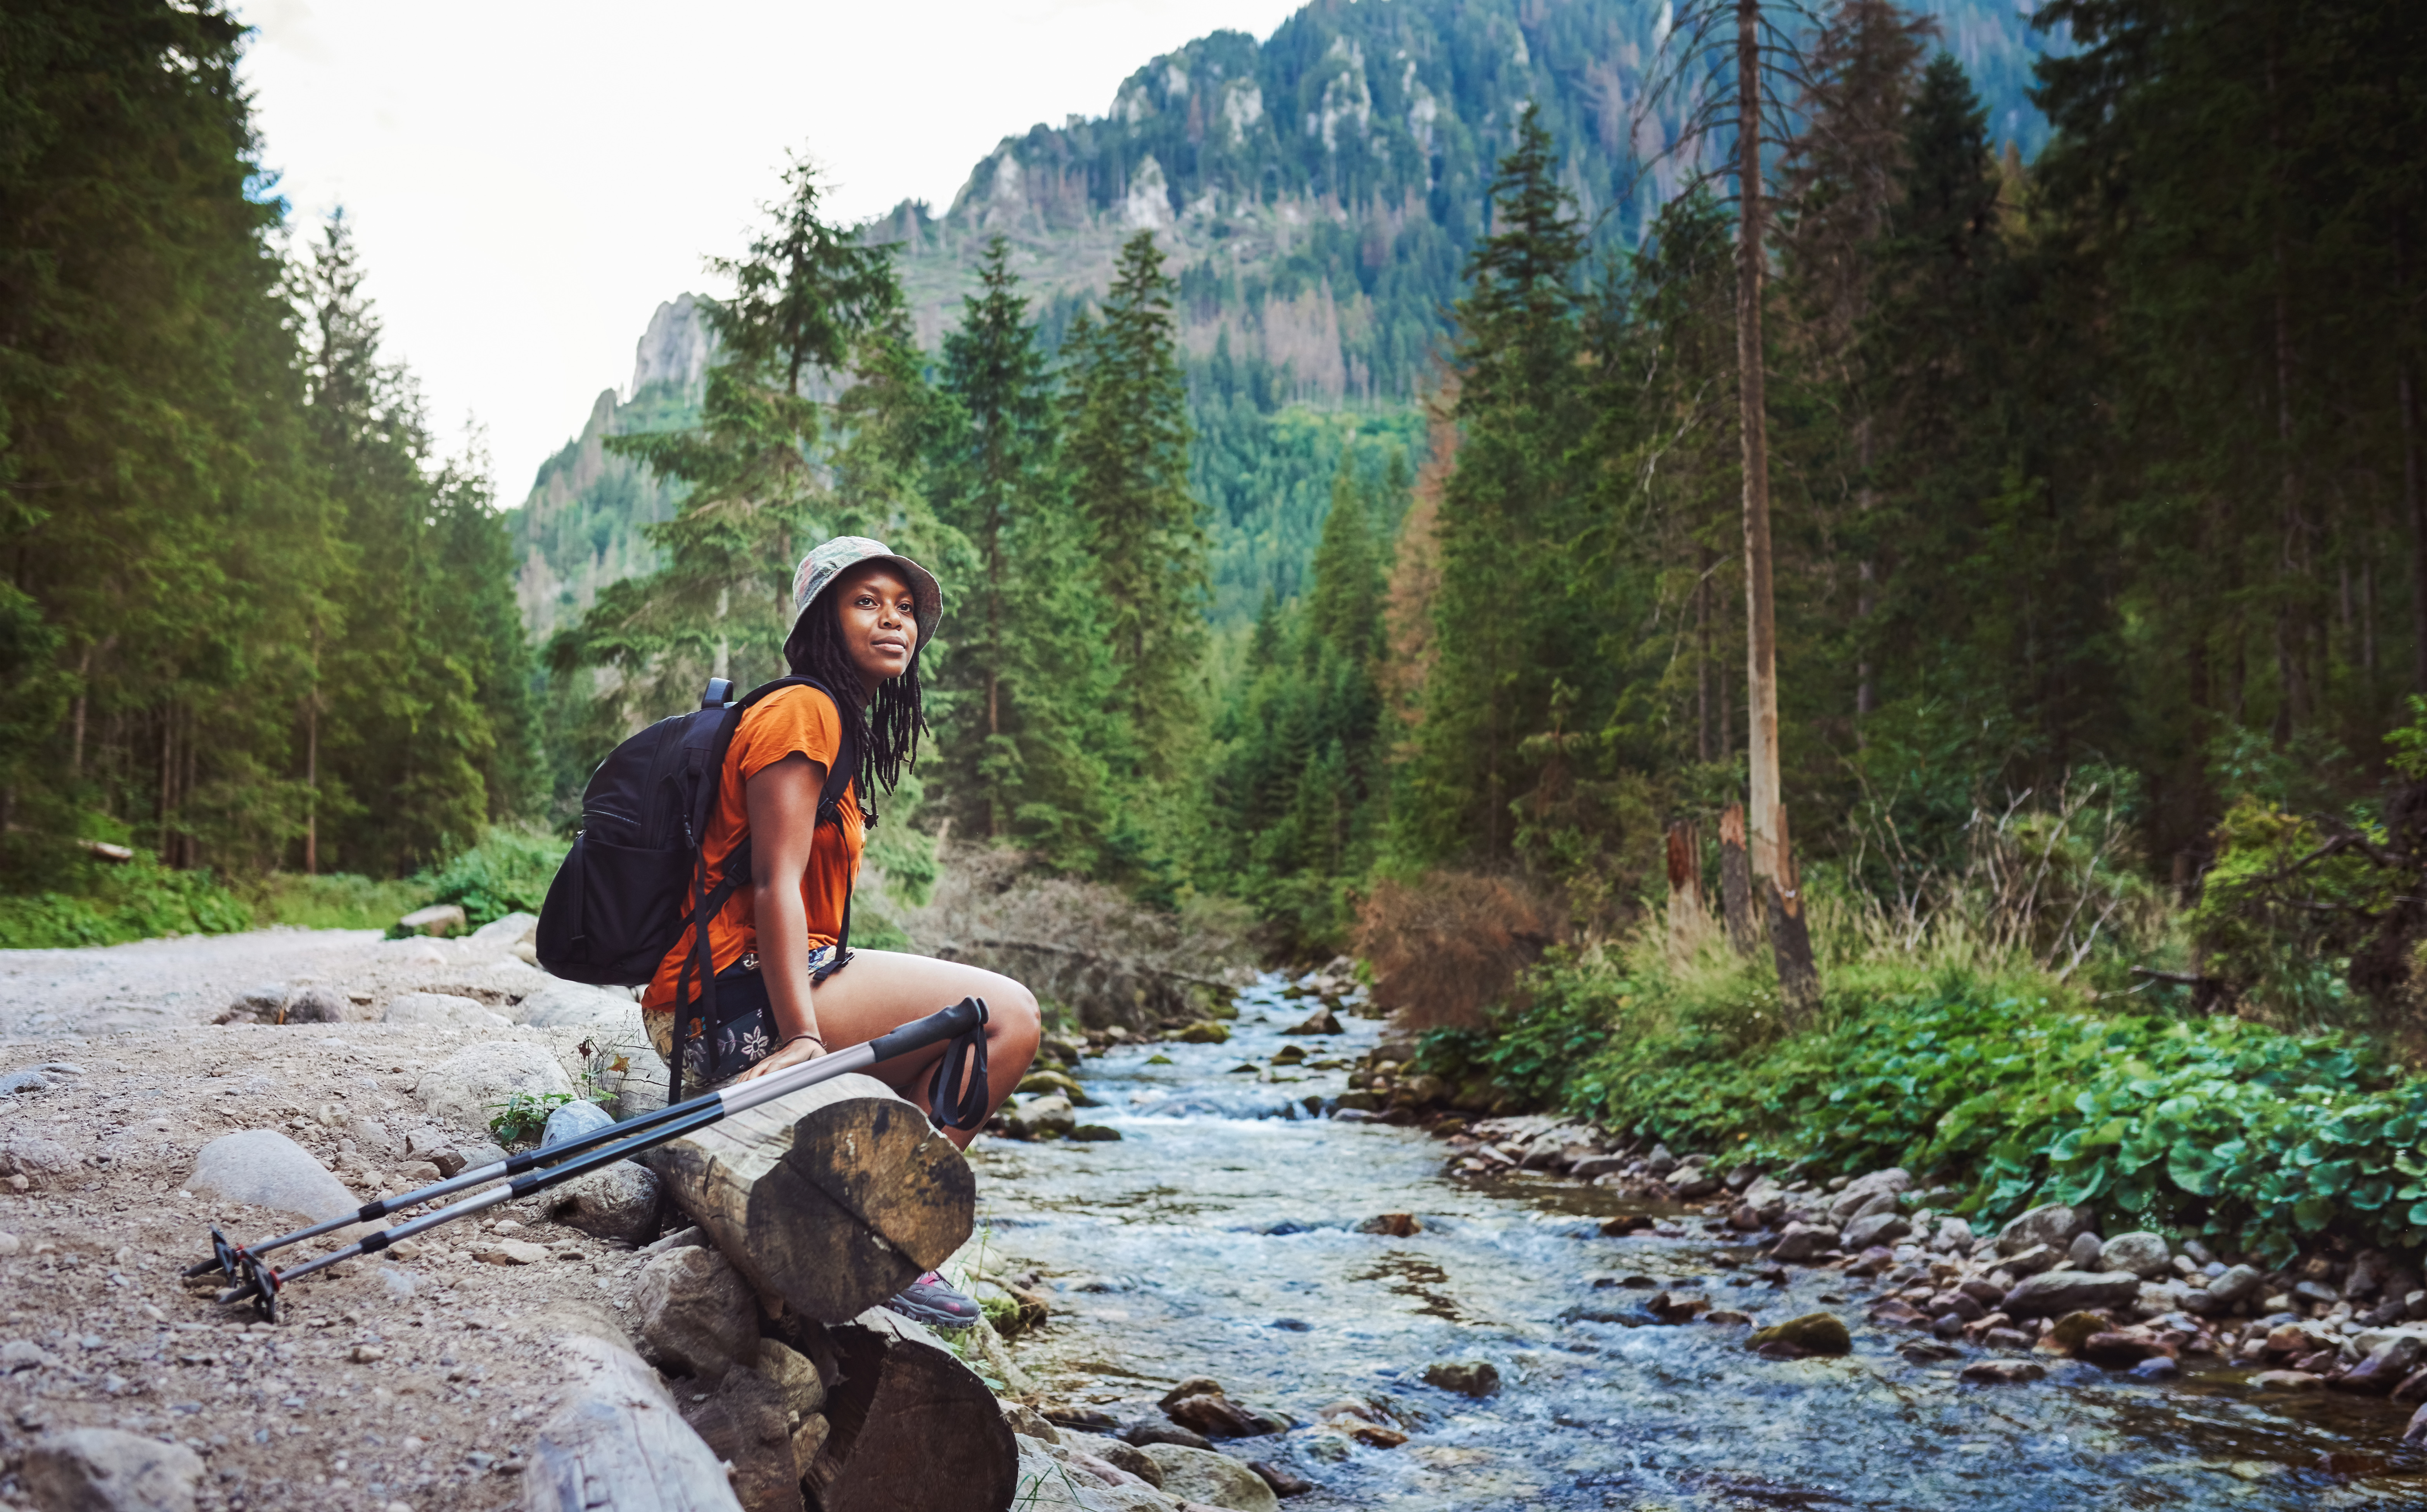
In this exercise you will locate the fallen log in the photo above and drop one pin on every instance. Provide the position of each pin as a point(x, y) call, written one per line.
point(617, 1442)
point(909, 1427)
point(829, 1200)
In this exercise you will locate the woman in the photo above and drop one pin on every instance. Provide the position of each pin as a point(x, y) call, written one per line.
point(861, 613)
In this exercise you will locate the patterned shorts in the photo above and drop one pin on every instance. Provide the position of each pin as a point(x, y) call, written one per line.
point(743, 1034)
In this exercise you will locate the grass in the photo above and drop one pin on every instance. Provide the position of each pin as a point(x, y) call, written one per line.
point(335, 901)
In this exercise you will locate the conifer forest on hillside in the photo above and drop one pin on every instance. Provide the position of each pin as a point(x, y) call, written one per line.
point(1437, 481)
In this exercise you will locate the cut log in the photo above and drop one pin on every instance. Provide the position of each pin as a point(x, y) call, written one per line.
point(617, 1443)
point(829, 1200)
point(909, 1427)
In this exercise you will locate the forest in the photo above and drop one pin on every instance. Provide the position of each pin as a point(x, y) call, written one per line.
point(2096, 556)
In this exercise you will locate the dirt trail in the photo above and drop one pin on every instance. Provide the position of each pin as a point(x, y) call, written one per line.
point(411, 1381)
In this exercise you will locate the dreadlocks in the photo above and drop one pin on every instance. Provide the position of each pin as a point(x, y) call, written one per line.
point(890, 725)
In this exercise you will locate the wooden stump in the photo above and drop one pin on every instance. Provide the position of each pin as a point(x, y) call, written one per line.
point(909, 1427)
point(617, 1444)
point(1688, 921)
point(831, 1199)
point(1790, 937)
point(1735, 881)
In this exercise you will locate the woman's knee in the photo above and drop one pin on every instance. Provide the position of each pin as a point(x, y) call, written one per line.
point(1018, 1023)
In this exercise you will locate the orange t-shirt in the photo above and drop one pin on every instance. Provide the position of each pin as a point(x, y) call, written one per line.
point(789, 721)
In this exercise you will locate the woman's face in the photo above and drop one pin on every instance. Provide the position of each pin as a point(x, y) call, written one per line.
point(878, 616)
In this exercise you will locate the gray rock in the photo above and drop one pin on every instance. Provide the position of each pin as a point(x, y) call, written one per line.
point(263, 1168)
point(804, 1391)
point(1216, 1479)
point(1953, 1233)
point(1048, 1114)
point(1802, 1241)
point(101, 1470)
point(506, 932)
point(1049, 1484)
point(2053, 1294)
point(620, 1202)
point(16, 1081)
point(1660, 1162)
point(438, 918)
point(462, 1088)
point(2054, 1226)
point(575, 1119)
point(1849, 1203)
point(574, 1005)
point(323, 1005)
point(1126, 1457)
point(1879, 1228)
point(2238, 1284)
point(2033, 1260)
point(2085, 1252)
point(1467, 1377)
point(695, 1314)
point(444, 1009)
point(2144, 1253)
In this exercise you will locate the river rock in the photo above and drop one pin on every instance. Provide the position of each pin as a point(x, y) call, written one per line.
point(1677, 1306)
point(1953, 1234)
point(1321, 1021)
point(2052, 1292)
point(2069, 1333)
point(2383, 1367)
point(1215, 1416)
point(1803, 1242)
point(2033, 1260)
point(102, 1470)
point(695, 1314)
point(442, 1008)
point(2142, 1253)
point(263, 1168)
point(1814, 1333)
point(1126, 1458)
point(1040, 1116)
point(1049, 1482)
point(619, 1202)
point(1216, 1479)
point(2001, 1373)
point(1859, 1191)
point(575, 1119)
point(1467, 1377)
point(2054, 1226)
point(2117, 1351)
point(1285, 1483)
point(2085, 1253)
point(2286, 1381)
point(1204, 1032)
point(1879, 1228)
point(461, 1088)
point(324, 1005)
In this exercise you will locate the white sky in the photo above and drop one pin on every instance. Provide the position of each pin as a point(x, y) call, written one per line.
point(528, 180)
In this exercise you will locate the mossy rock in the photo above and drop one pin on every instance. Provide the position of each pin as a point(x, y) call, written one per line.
point(2075, 1328)
point(1039, 1081)
point(1814, 1333)
point(1204, 1032)
point(1094, 1133)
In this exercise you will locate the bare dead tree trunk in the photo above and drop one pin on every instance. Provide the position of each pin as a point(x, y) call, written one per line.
point(1703, 656)
point(1790, 938)
point(1687, 917)
point(2414, 506)
point(1761, 631)
point(2291, 650)
point(1735, 881)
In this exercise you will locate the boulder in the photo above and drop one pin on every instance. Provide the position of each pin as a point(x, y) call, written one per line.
point(574, 1005)
point(102, 1470)
point(620, 1202)
point(2238, 1284)
point(438, 918)
point(2085, 1253)
point(1051, 1482)
point(2054, 1292)
point(2055, 1226)
point(2117, 1351)
point(1803, 1242)
point(1467, 1377)
point(506, 932)
point(2145, 1254)
point(462, 1088)
point(575, 1119)
point(1215, 1416)
point(1322, 1022)
point(1858, 1193)
point(1814, 1333)
point(1203, 1476)
point(323, 1005)
point(1040, 1116)
point(442, 1008)
point(694, 1315)
point(1953, 1233)
point(1879, 1228)
point(2033, 1260)
point(2070, 1332)
point(1204, 1032)
point(263, 1168)
point(2383, 1367)
point(804, 1391)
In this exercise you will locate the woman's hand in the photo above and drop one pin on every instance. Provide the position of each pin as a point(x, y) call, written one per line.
point(798, 1050)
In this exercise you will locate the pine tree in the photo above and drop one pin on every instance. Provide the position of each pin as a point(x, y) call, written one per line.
point(1127, 449)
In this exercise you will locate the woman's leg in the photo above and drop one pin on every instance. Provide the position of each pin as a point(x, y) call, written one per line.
point(881, 990)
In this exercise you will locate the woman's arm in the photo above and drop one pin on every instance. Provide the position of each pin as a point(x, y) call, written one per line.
point(782, 804)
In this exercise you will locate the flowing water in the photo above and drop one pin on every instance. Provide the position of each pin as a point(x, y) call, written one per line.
point(1218, 1237)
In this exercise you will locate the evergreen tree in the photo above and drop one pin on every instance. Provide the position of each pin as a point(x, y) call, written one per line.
point(1128, 460)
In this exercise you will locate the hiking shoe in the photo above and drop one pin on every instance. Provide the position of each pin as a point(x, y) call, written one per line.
point(936, 1303)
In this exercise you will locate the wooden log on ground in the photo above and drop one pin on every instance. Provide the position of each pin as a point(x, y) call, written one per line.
point(909, 1428)
point(829, 1200)
point(618, 1445)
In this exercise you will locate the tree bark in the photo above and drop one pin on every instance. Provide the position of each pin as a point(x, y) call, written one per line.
point(1702, 659)
point(831, 1199)
point(1761, 630)
point(909, 1427)
point(2414, 500)
point(1735, 881)
point(1790, 938)
point(1687, 917)
point(617, 1443)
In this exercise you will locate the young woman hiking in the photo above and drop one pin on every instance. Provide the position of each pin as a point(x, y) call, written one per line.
point(860, 614)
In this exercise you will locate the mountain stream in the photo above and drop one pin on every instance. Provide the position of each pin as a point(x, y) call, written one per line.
point(1219, 1237)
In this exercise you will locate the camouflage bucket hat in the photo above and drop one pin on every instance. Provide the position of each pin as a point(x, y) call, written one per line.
point(832, 559)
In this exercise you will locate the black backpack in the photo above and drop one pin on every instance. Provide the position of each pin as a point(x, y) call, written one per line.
point(634, 879)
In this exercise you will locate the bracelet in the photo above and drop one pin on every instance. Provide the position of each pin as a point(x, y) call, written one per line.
point(797, 1038)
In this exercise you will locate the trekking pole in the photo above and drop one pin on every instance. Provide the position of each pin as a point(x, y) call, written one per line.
point(956, 1096)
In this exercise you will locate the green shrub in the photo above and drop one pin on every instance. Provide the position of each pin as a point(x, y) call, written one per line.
point(2218, 1127)
point(339, 899)
point(507, 873)
point(106, 903)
